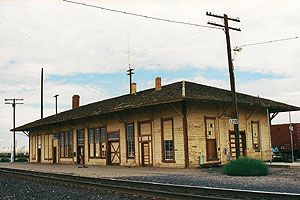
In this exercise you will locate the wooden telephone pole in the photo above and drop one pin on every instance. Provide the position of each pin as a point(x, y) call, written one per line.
point(235, 117)
point(14, 102)
point(130, 73)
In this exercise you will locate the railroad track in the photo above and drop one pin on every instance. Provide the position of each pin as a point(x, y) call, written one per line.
point(150, 189)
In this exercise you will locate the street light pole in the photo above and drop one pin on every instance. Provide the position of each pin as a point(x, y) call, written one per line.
point(14, 102)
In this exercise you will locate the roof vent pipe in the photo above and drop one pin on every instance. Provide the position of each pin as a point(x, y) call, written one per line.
point(133, 88)
point(158, 84)
point(75, 101)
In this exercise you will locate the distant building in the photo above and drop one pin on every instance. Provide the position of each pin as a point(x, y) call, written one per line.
point(183, 124)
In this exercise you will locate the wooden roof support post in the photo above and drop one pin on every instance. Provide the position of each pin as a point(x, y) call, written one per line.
point(185, 134)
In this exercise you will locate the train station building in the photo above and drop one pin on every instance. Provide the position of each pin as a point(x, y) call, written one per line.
point(183, 124)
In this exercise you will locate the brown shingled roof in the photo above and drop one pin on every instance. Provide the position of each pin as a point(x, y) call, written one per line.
point(170, 93)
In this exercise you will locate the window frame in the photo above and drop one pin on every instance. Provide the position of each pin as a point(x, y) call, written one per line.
point(127, 141)
point(48, 155)
point(258, 148)
point(163, 149)
point(67, 147)
point(94, 143)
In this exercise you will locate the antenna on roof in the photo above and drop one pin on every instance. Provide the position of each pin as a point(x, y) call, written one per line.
point(130, 70)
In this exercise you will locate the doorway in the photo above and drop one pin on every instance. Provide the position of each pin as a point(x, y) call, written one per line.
point(145, 154)
point(54, 155)
point(211, 139)
point(80, 147)
point(80, 155)
point(39, 156)
point(113, 156)
point(242, 144)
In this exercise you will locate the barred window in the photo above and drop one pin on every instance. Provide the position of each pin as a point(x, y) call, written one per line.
point(91, 143)
point(130, 140)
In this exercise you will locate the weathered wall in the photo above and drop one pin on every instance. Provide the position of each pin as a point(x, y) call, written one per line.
point(116, 122)
point(197, 136)
point(197, 151)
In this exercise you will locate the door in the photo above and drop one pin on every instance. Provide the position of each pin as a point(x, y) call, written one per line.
point(145, 143)
point(39, 156)
point(242, 143)
point(113, 153)
point(80, 147)
point(211, 149)
point(80, 155)
point(54, 155)
point(145, 154)
point(211, 139)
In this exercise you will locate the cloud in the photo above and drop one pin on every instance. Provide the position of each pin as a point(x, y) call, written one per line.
point(68, 39)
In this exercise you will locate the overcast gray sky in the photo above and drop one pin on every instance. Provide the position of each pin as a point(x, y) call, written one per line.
point(83, 50)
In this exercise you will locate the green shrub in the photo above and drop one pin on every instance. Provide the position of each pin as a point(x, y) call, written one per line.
point(21, 159)
point(4, 159)
point(246, 167)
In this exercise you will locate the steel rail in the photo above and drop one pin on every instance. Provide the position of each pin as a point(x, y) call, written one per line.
point(151, 189)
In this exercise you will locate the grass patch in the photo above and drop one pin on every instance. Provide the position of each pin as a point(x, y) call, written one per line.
point(21, 159)
point(246, 167)
point(4, 159)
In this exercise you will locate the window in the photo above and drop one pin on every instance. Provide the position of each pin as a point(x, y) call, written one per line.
point(62, 144)
point(130, 140)
point(80, 137)
point(168, 140)
point(48, 146)
point(66, 144)
point(91, 143)
point(33, 147)
point(103, 142)
point(210, 129)
point(97, 142)
point(255, 135)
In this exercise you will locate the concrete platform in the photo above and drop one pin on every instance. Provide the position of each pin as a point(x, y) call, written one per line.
point(99, 171)
point(284, 164)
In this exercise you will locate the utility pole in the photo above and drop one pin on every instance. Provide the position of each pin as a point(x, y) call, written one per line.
point(42, 92)
point(291, 135)
point(130, 73)
point(235, 117)
point(14, 102)
point(55, 96)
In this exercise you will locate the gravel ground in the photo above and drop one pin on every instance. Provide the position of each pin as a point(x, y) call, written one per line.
point(12, 187)
point(280, 180)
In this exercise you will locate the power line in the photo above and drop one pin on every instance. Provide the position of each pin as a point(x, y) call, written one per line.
point(140, 15)
point(270, 41)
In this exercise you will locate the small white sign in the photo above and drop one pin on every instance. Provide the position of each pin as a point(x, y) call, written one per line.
point(291, 128)
point(234, 121)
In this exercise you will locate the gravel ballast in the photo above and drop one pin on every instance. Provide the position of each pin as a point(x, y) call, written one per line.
point(286, 180)
point(279, 180)
point(14, 187)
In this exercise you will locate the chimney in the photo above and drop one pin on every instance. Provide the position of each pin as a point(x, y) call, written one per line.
point(133, 88)
point(157, 83)
point(75, 101)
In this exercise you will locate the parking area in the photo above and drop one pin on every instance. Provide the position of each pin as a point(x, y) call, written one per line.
point(280, 179)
